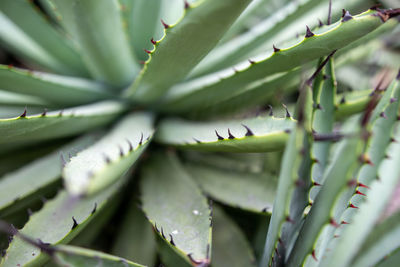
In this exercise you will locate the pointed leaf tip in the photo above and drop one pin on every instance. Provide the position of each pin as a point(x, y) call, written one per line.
point(309, 33)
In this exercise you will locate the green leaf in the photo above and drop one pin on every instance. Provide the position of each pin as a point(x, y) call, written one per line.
point(184, 45)
point(98, 166)
point(20, 186)
point(229, 81)
point(253, 192)
point(81, 257)
point(103, 43)
point(370, 211)
point(286, 186)
point(38, 28)
point(230, 246)
point(345, 161)
point(16, 99)
point(260, 134)
point(61, 90)
point(176, 207)
point(352, 103)
point(58, 124)
point(392, 260)
point(64, 218)
point(135, 239)
point(384, 239)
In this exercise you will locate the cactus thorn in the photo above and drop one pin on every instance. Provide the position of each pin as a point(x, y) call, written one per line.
point(352, 206)
point(121, 151)
point(23, 115)
point(333, 223)
point(44, 112)
point(147, 51)
point(172, 240)
point(219, 137)
point(141, 139)
point(316, 184)
point(288, 219)
point(320, 23)
point(251, 62)
point(329, 12)
point(275, 49)
point(166, 26)
point(383, 115)
point(75, 224)
point(249, 132)
point(162, 233)
point(309, 33)
point(363, 185)
point(393, 99)
point(287, 111)
point(360, 193)
point(187, 5)
point(130, 145)
point(94, 208)
point(197, 141)
point(346, 16)
point(344, 222)
point(271, 111)
point(230, 134)
point(153, 42)
point(313, 255)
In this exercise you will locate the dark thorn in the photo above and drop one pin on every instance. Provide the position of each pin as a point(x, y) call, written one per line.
point(264, 209)
point(106, 159)
point(44, 112)
point(166, 26)
point(316, 184)
point(287, 111)
point(321, 24)
point(318, 106)
point(155, 227)
point(343, 100)
point(333, 223)
point(219, 137)
point(392, 140)
point(23, 115)
point(344, 222)
point(45, 247)
point(313, 255)
point(249, 132)
point(383, 115)
point(276, 49)
point(153, 42)
point(130, 145)
point(197, 141)
point(329, 13)
point(94, 208)
point(147, 51)
point(162, 233)
point(172, 240)
point(277, 253)
point(310, 203)
point(271, 111)
point(346, 16)
point(352, 206)
point(288, 219)
point(360, 193)
point(121, 151)
point(320, 67)
point(230, 134)
point(141, 139)
point(187, 5)
point(309, 33)
point(392, 100)
point(198, 263)
point(75, 223)
point(252, 62)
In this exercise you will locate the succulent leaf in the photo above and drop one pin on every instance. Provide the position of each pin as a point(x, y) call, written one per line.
point(260, 134)
point(184, 45)
point(56, 124)
point(169, 192)
point(253, 192)
point(98, 166)
point(57, 89)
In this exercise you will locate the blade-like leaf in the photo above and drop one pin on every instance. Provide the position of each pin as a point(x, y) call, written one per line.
point(184, 45)
point(19, 187)
point(56, 89)
point(16, 99)
point(370, 211)
point(135, 239)
point(312, 47)
point(103, 43)
point(81, 257)
point(101, 164)
point(29, 20)
point(176, 207)
point(64, 218)
point(259, 134)
point(58, 124)
point(230, 246)
point(253, 192)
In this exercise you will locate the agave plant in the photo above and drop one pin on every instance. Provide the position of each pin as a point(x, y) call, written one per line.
point(88, 86)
